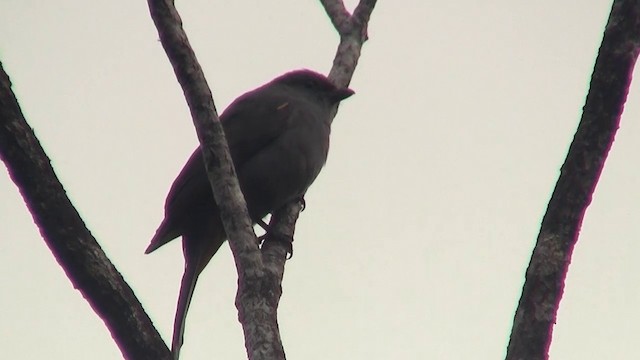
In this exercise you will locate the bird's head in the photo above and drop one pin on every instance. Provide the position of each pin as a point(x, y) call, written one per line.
point(315, 84)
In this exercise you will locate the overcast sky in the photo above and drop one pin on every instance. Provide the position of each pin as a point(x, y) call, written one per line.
point(418, 231)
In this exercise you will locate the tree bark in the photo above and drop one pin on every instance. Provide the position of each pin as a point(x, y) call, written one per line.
point(544, 283)
point(73, 246)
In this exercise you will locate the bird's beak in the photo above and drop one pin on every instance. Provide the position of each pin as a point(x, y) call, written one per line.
point(341, 94)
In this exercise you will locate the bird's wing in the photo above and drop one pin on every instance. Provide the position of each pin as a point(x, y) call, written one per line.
point(251, 123)
point(185, 187)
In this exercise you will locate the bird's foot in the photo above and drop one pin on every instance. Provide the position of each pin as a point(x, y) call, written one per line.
point(266, 229)
point(286, 241)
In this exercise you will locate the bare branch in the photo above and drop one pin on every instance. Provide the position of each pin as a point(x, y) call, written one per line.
point(269, 291)
point(344, 65)
point(353, 34)
point(258, 318)
point(537, 310)
point(283, 221)
point(338, 14)
point(363, 11)
point(75, 249)
point(220, 171)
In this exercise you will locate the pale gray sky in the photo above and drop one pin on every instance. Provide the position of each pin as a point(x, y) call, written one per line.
point(417, 233)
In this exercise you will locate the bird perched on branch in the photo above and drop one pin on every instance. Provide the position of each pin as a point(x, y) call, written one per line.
point(278, 136)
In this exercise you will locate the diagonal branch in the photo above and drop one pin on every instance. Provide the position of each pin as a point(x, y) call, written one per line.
point(75, 249)
point(353, 34)
point(220, 170)
point(344, 65)
point(363, 11)
point(257, 316)
point(338, 14)
point(283, 221)
point(536, 312)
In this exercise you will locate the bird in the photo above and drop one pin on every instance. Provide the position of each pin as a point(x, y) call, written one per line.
point(278, 138)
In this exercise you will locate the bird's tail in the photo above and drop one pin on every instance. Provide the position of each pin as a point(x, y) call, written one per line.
point(189, 279)
point(198, 249)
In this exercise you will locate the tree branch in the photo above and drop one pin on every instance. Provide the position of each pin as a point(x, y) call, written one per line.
point(220, 170)
point(353, 34)
point(265, 294)
point(538, 306)
point(338, 14)
point(258, 318)
point(73, 246)
point(363, 11)
point(352, 30)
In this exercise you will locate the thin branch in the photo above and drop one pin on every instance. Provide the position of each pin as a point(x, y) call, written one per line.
point(283, 221)
point(266, 294)
point(220, 171)
point(363, 11)
point(538, 306)
point(344, 65)
point(75, 249)
point(352, 36)
point(338, 14)
point(258, 318)
point(361, 16)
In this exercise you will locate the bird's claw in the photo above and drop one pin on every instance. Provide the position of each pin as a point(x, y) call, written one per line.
point(286, 241)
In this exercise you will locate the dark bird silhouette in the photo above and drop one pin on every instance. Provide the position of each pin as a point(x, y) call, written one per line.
point(278, 136)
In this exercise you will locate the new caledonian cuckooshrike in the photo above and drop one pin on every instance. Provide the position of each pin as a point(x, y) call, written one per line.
point(278, 136)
